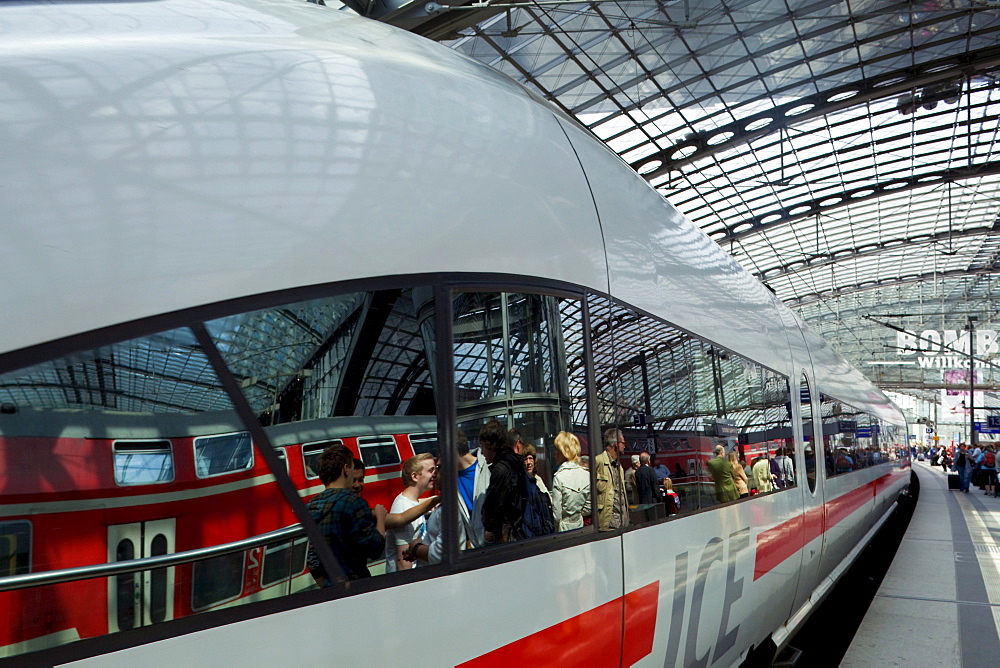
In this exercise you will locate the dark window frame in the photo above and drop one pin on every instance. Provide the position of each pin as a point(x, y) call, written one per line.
point(173, 461)
point(463, 561)
point(305, 462)
point(194, 451)
point(876, 424)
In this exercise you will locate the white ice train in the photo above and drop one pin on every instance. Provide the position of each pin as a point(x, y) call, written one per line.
point(236, 232)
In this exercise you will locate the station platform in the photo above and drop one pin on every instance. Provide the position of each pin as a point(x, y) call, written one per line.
point(939, 603)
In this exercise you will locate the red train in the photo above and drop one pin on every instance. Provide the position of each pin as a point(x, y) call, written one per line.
point(158, 485)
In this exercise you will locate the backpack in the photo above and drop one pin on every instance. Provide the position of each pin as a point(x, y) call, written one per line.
point(537, 518)
point(991, 459)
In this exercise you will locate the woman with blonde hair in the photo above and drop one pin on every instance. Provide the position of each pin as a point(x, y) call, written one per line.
point(672, 497)
point(570, 485)
point(739, 475)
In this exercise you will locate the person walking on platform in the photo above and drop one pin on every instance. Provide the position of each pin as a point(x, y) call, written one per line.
point(988, 464)
point(963, 466)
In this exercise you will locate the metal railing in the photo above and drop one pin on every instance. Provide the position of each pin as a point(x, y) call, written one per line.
point(12, 582)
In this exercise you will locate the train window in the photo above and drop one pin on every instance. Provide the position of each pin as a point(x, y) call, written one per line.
point(15, 548)
point(647, 381)
point(424, 443)
point(889, 445)
point(311, 453)
point(809, 445)
point(758, 407)
point(216, 580)
point(282, 561)
point(678, 399)
point(520, 389)
point(80, 427)
point(143, 462)
point(851, 437)
point(352, 371)
point(840, 425)
point(224, 453)
point(283, 456)
point(378, 450)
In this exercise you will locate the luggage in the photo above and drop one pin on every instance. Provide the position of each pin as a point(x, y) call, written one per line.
point(953, 481)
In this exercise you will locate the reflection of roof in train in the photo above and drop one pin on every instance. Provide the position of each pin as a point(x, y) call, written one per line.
point(169, 373)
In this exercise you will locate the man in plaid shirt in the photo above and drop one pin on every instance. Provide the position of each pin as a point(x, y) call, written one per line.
point(355, 532)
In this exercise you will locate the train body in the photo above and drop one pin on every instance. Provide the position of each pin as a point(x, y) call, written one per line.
point(237, 232)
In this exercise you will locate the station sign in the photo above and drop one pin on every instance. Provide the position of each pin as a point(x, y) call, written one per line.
point(726, 429)
point(983, 428)
point(847, 426)
point(947, 348)
point(993, 421)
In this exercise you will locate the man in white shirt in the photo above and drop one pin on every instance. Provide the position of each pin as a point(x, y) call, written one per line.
point(418, 475)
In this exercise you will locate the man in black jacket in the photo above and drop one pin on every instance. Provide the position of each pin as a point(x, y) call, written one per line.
point(503, 506)
point(646, 481)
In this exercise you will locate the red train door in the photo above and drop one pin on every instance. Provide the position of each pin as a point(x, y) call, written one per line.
point(144, 597)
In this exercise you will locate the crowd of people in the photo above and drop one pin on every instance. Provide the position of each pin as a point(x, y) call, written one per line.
point(975, 466)
point(734, 479)
point(502, 496)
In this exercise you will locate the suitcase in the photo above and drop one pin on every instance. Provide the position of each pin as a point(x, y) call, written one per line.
point(952, 481)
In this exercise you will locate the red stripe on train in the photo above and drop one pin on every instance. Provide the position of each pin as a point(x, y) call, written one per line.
point(587, 639)
point(781, 542)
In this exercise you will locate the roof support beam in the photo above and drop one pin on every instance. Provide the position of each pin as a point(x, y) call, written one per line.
point(815, 261)
point(766, 221)
point(814, 297)
point(889, 84)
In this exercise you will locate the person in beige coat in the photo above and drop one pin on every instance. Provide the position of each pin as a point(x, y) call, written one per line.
point(739, 475)
point(612, 506)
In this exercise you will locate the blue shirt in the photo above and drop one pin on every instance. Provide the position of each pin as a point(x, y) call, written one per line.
point(467, 484)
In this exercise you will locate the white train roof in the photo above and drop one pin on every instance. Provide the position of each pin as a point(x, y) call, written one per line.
point(165, 155)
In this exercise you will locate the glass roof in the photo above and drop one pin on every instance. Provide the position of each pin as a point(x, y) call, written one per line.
point(841, 151)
